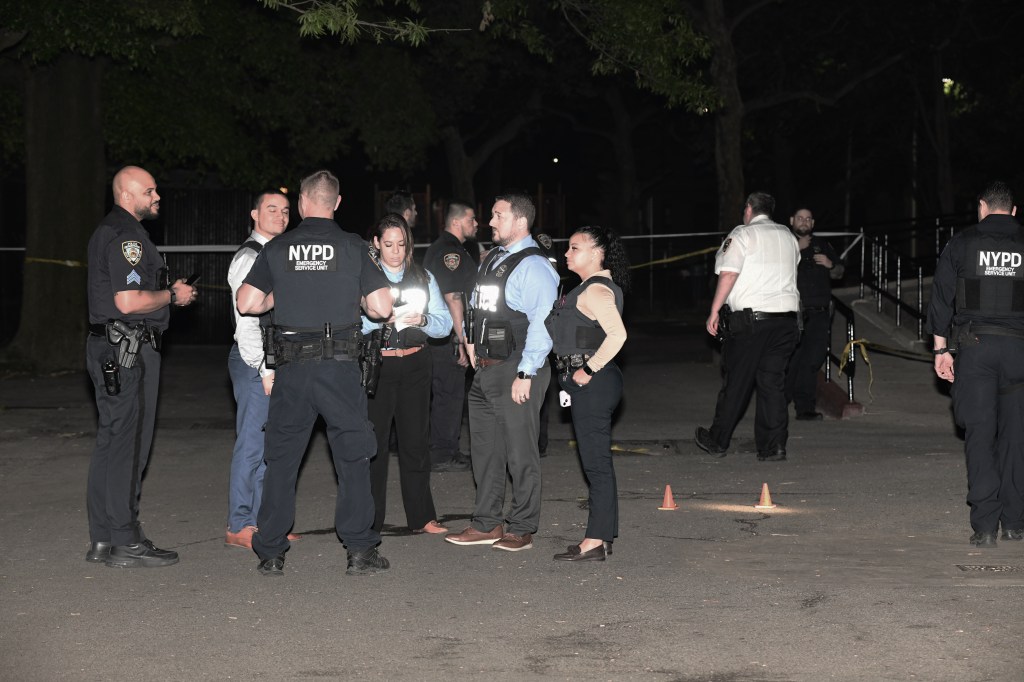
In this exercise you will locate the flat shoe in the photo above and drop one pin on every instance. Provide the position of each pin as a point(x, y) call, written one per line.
point(432, 527)
point(573, 553)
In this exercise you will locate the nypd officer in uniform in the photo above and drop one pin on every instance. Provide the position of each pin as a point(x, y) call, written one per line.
point(515, 289)
point(315, 278)
point(977, 307)
point(449, 261)
point(756, 267)
point(128, 304)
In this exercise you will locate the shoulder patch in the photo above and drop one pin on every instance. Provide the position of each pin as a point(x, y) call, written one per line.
point(725, 244)
point(452, 260)
point(374, 256)
point(132, 251)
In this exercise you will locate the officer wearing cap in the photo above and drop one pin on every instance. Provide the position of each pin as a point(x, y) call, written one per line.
point(316, 278)
point(977, 310)
point(129, 309)
point(756, 267)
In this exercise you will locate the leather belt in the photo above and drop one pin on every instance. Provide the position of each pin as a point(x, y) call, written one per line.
point(758, 316)
point(399, 352)
point(488, 362)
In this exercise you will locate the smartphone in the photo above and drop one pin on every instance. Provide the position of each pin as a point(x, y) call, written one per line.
point(192, 279)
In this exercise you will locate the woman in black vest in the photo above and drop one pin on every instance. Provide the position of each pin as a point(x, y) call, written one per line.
point(587, 331)
point(402, 395)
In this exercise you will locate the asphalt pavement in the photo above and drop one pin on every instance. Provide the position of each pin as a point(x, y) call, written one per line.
point(861, 572)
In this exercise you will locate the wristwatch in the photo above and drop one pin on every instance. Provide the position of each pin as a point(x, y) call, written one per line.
point(586, 370)
point(523, 375)
point(174, 298)
point(940, 351)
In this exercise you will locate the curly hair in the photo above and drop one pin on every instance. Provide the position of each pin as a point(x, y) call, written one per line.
point(615, 258)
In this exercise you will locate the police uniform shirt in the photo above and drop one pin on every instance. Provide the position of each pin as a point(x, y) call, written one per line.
point(123, 258)
point(1002, 260)
point(813, 281)
point(317, 273)
point(449, 261)
point(765, 254)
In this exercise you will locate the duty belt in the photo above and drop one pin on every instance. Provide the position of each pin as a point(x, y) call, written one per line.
point(758, 316)
point(314, 349)
point(150, 335)
point(573, 360)
point(993, 330)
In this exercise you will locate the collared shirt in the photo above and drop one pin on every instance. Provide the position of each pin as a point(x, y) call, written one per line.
point(247, 327)
point(531, 289)
point(765, 254)
point(439, 320)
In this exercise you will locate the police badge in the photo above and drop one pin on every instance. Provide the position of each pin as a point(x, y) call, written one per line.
point(452, 260)
point(725, 244)
point(132, 251)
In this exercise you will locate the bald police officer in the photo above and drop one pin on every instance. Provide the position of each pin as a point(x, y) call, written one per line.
point(316, 278)
point(756, 267)
point(129, 310)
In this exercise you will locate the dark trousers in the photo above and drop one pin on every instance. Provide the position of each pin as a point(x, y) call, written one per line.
point(504, 437)
point(303, 390)
point(810, 354)
point(592, 407)
point(448, 396)
point(403, 397)
point(756, 358)
point(988, 402)
point(124, 437)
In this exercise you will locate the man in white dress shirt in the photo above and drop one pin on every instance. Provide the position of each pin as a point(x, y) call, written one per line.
point(755, 314)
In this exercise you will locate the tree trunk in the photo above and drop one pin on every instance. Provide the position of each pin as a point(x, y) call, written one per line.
point(460, 166)
point(65, 173)
point(728, 119)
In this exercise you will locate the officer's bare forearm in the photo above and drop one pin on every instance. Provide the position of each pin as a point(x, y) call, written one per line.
point(457, 311)
point(139, 302)
point(378, 305)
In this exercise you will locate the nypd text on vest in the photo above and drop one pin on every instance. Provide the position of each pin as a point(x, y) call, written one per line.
point(998, 263)
point(305, 257)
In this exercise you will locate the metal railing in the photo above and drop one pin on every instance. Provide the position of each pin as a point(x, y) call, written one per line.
point(849, 364)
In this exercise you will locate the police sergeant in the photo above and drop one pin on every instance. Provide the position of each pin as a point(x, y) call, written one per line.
point(129, 310)
point(977, 310)
point(316, 277)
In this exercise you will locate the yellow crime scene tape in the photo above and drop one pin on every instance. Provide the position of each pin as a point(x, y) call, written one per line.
point(56, 261)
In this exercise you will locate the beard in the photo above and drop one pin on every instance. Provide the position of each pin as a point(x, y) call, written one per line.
point(803, 231)
point(148, 212)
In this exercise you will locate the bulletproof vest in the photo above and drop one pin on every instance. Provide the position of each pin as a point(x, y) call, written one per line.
point(991, 278)
point(410, 290)
point(316, 272)
point(499, 331)
point(571, 331)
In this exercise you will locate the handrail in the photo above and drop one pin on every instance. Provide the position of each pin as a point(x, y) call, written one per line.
point(851, 356)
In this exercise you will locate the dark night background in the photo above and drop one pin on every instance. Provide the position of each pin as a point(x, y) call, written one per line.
point(662, 116)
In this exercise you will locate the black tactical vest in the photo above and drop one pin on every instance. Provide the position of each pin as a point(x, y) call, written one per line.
point(571, 331)
point(991, 277)
point(499, 331)
point(410, 289)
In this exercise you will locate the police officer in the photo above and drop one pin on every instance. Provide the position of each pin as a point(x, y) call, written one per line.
point(819, 265)
point(977, 308)
point(453, 266)
point(514, 291)
point(129, 308)
point(315, 278)
point(756, 267)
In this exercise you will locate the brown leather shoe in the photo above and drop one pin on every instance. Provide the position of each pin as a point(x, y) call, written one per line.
point(515, 543)
point(242, 538)
point(472, 536)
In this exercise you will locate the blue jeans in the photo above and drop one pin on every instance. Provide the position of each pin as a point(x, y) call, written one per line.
point(247, 466)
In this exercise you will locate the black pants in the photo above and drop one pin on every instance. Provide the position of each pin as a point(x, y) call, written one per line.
point(988, 402)
point(504, 436)
point(124, 437)
point(403, 397)
point(303, 390)
point(810, 354)
point(756, 358)
point(448, 389)
point(592, 408)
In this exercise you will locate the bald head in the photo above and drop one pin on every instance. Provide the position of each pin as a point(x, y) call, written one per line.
point(135, 191)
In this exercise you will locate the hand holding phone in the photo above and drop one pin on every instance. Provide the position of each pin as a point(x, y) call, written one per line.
point(192, 279)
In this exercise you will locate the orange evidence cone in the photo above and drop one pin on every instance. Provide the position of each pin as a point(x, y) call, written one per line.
point(668, 504)
point(766, 499)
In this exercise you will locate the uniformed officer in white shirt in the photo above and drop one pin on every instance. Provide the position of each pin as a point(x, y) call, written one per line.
point(755, 314)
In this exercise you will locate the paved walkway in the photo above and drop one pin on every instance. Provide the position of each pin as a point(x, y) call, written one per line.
point(862, 572)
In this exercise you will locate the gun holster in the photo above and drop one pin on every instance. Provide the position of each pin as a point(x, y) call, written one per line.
point(370, 358)
point(127, 339)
